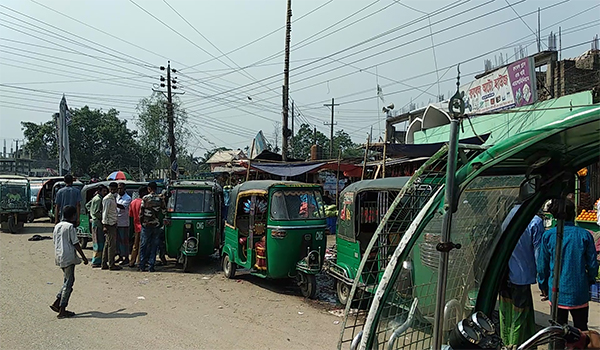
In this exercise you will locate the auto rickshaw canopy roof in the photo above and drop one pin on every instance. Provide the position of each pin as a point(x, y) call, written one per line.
point(395, 183)
point(195, 184)
point(264, 185)
point(570, 143)
point(13, 179)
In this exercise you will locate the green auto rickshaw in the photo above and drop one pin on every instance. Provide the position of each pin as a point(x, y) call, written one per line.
point(276, 229)
point(193, 220)
point(14, 202)
point(518, 174)
point(362, 206)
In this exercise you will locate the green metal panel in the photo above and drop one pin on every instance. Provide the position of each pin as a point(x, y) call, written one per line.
point(203, 226)
point(505, 125)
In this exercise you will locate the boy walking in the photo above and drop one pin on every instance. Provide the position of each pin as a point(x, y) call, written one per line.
point(66, 247)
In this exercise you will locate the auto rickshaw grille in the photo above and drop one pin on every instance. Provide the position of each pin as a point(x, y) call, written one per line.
point(404, 206)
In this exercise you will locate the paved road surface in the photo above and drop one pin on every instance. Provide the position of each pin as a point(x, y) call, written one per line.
point(200, 310)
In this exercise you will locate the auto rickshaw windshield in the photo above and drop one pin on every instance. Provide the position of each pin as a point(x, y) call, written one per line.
point(14, 195)
point(297, 204)
point(191, 201)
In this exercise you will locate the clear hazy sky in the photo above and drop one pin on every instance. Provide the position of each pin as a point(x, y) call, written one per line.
point(335, 54)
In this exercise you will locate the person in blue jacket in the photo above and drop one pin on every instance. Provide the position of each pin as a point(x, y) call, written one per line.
point(578, 271)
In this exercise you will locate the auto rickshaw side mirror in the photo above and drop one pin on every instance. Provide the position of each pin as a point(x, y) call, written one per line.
point(529, 187)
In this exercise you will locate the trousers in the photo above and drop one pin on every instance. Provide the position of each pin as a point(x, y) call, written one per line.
point(110, 246)
point(67, 288)
point(150, 240)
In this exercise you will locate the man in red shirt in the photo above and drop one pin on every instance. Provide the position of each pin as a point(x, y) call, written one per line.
point(134, 214)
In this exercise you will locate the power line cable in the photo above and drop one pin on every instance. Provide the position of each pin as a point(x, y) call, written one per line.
point(102, 31)
point(139, 63)
point(262, 37)
point(446, 8)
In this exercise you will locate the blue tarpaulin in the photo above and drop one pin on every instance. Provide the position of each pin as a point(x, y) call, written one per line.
point(286, 169)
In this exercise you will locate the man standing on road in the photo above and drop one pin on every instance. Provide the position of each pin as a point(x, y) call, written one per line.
point(109, 226)
point(517, 316)
point(67, 195)
point(134, 214)
point(123, 202)
point(152, 209)
point(94, 207)
point(578, 271)
point(66, 247)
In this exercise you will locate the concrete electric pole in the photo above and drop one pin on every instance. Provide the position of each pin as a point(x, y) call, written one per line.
point(286, 82)
point(170, 85)
point(332, 105)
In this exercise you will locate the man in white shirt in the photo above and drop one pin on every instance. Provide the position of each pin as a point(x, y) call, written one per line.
point(109, 226)
point(66, 247)
point(123, 202)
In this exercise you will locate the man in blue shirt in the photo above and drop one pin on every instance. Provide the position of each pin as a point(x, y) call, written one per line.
point(67, 195)
point(578, 270)
point(517, 317)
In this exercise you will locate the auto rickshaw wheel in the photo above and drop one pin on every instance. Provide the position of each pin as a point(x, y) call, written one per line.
point(228, 267)
point(343, 292)
point(12, 225)
point(307, 284)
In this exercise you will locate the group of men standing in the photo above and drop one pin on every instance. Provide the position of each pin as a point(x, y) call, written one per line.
point(111, 212)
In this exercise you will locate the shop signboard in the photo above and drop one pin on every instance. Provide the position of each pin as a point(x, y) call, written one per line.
point(507, 87)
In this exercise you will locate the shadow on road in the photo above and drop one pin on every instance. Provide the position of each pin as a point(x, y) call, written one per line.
point(114, 314)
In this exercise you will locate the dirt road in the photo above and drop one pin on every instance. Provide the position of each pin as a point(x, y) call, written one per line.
point(163, 310)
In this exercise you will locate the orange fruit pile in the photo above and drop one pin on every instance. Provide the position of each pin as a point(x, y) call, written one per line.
point(587, 215)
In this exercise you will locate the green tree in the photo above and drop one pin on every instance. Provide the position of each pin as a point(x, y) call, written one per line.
point(41, 139)
point(99, 141)
point(152, 124)
point(305, 138)
point(343, 141)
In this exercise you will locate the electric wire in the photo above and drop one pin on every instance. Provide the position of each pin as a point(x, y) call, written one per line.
point(262, 37)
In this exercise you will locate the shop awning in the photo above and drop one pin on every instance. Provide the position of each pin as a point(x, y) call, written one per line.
point(286, 169)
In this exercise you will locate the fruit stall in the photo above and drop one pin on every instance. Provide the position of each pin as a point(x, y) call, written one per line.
point(588, 219)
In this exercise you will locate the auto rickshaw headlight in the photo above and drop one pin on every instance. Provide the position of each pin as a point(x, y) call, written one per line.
point(307, 237)
point(188, 226)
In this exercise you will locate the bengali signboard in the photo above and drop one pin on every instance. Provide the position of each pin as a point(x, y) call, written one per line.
point(507, 87)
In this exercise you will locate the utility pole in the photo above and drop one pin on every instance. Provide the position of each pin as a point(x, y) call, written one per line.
point(332, 105)
point(292, 136)
point(539, 41)
point(170, 85)
point(286, 83)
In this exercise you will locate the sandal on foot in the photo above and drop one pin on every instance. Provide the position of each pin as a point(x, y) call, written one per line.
point(66, 314)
